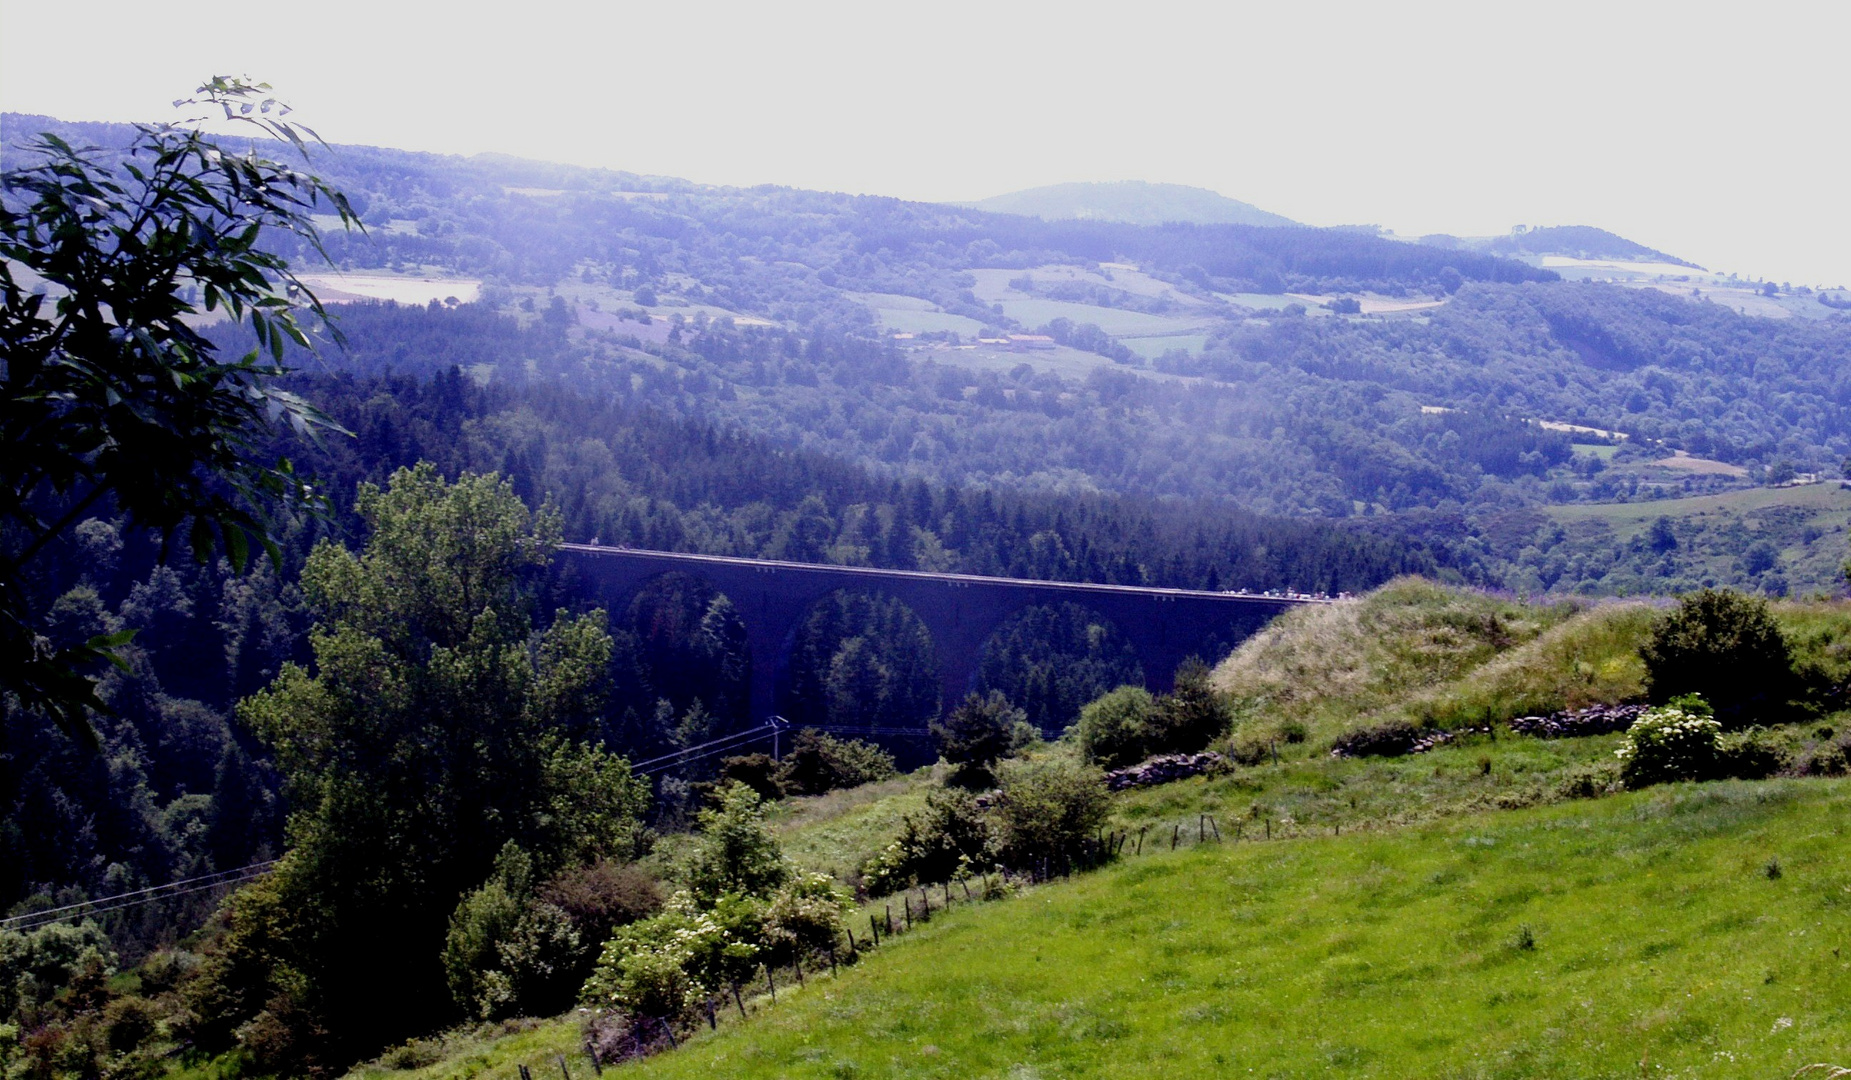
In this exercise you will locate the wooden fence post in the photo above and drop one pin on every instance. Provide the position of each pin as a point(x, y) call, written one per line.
point(770, 982)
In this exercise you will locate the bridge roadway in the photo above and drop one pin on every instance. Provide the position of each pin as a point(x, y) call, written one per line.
point(962, 611)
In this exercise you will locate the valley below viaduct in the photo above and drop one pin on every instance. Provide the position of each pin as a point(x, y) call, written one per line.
point(961, 611)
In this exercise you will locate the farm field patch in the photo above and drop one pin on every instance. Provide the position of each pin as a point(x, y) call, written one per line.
point(1628, 519)
point(1152, 347)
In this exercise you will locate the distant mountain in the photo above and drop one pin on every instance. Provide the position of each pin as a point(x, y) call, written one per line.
point(1132, 201)
point(1572, 241)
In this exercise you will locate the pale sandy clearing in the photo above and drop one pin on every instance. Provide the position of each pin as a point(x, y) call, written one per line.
point(1683, 462)
point(1372, 306)
point(347, 288)
point(1557, 425)
point(1564, 262)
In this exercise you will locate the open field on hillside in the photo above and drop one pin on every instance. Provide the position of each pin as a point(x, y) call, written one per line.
point(1698, 930)
point(993, 288)
point(1828, 500)
point(912, 314)
point(1152, 347)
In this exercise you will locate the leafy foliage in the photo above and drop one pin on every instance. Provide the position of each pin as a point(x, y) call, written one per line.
point(735, 853)
point(745, 906)
point(1048, 808)
point(111, 395)
point(1114, 728)
point(975, 734)
point(948, 839)
point(1726, 648)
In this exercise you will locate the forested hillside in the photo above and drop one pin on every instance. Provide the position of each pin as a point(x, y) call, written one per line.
point(180, 790)
point(1202, 361)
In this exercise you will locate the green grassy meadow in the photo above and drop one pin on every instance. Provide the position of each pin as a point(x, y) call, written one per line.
point(1830, 502)
point(1636, 935)
point(1152, 347)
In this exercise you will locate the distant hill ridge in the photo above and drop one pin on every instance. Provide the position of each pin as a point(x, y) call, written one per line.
point(1573, 241)
point(1134, 202)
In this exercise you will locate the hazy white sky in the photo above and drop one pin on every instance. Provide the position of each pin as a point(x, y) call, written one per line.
point(1718, 132)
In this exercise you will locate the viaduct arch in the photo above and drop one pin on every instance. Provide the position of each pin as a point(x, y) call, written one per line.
point(1164, 626)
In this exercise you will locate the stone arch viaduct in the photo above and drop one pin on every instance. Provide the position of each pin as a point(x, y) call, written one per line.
point(1164, 626)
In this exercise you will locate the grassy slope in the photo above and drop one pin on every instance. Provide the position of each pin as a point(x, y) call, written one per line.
point(1414, 650)
point(1325, 666)
point(1428, 653)
point(1658, 935)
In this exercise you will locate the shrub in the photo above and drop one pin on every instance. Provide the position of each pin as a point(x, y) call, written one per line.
point(413, 1054)
point(756, 771)
point(508, 952)
point(1048, 808)
point(1670, 743)
point(804, 917)
point(819, 763)
point(1590, 781)
point(651, 968)
point(1755, 754)
point(1726, 648)
point(978, 732)
point(1191, 715)
point(1115, 728)
point(602, 896)
point(129, 1021)
point(735, 852)
point(949, 837)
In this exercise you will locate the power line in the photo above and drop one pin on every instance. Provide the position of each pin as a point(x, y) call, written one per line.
point(710, 748)
point(32, 920)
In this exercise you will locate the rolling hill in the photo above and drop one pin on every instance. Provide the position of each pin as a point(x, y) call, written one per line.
point(1135, 202)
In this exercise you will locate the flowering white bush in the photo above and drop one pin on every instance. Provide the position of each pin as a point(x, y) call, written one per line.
point(655, 967)
point(1672, 742)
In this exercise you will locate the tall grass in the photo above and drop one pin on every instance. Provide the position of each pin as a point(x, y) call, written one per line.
point(1590, 659)
point(1325, 667)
